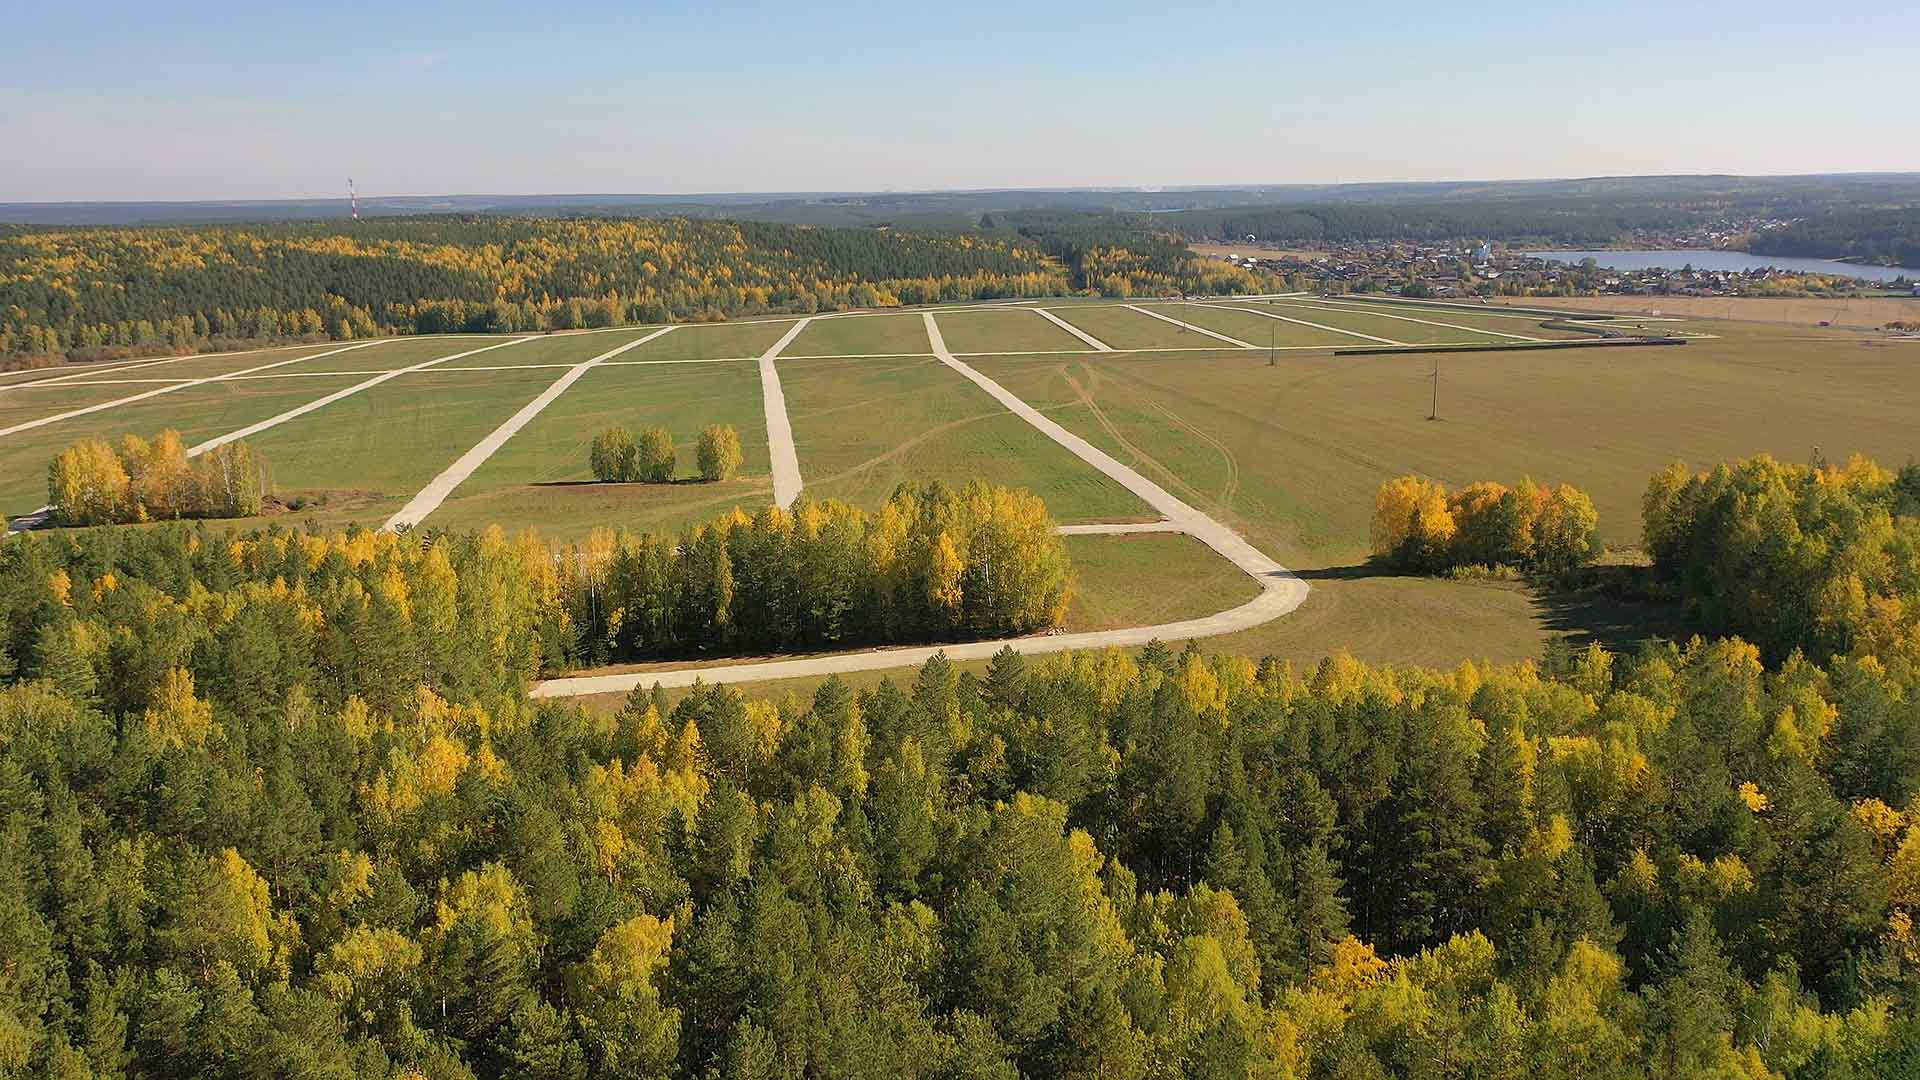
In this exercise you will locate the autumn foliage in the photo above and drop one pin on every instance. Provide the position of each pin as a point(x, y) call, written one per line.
point(1823, 558)
point(934, 563)
point(278, 804)
point(718, 452)
point(87, 293)
point(93, 483)
point(616, 457)
point(1417, 525)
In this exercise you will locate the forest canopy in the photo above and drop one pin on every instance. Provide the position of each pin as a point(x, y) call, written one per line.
point(1821, 558)
point(279, 805)
point(180, 288)
point(934, 563)
point(1874, 236)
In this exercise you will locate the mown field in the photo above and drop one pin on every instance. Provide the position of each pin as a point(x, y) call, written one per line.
point(862, 335)
point(864, 427)
point(1122, 328)
point(541, 477)
point(1017, 330)
point(1290, 452)
point(1855, 313)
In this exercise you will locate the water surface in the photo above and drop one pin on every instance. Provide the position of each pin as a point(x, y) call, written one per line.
point(1725, 260)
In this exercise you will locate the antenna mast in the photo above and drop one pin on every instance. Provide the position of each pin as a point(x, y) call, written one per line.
point(353, 200)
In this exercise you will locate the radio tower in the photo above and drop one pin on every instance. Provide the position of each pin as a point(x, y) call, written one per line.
point(353, 200)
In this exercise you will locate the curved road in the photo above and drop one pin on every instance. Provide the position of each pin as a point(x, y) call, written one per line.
point(1281, 590)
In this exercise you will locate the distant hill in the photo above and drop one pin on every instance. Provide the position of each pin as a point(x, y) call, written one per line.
point(1790, 196)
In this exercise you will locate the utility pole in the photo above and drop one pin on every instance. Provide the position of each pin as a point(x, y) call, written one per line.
point(1273, 337)
point(1433, 411)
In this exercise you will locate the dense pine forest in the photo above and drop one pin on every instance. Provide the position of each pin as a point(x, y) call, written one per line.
point(278, 804)
point(85, 291)
point(1573, 221)
point(1875, 236)
point(1122, 255)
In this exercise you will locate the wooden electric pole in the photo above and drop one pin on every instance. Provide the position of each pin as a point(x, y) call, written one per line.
point(1433, 411)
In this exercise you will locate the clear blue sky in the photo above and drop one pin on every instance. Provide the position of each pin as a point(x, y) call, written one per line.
point(122, 99)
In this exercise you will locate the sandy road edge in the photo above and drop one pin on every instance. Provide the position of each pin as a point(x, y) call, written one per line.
point(783, 459)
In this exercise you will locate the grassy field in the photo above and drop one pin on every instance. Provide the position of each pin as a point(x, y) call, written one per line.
point(1469, 325)
point(1251, 251)
point(864, 427)
point(1007, 330)
point(1149, 578)
point(106, 368)
point(1378, 326)
point(1253, 329)
point(712, 341)
point(554, 349)
point(1292, 453)
point(33, 402)
point(395, 437)
point(198, 412)
point(200, 367)
point(540, 476)
point(1858, 313)
point(1126, 329)
point(862, 335)
point(405, 353)
point(571, 511)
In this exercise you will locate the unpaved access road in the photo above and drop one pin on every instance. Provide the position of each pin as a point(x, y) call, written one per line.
point(1281, 591)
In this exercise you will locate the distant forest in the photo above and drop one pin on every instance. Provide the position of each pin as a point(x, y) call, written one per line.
point(85, 291)
point(1703, 195)
point(1881, 236)
point(1572, 221)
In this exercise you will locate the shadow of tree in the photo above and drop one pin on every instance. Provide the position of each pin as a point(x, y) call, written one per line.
point(1370, 569)
point(1619, 619)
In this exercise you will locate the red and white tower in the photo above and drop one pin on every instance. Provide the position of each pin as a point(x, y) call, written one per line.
point(353, 200)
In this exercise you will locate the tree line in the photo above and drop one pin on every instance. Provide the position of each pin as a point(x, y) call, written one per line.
point(1122, 255)
point(278, 805)
point(616, 457)
point(117, 291)
point(180, 287)
point(1417, 525)
point(1820, 558)
point(933, 563)
point(1874, 236)
point(94, 482)
point(1565, 220)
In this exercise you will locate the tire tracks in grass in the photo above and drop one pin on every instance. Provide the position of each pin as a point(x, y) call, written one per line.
point(898, 449)
point(1230, 484)
point(1113, 432)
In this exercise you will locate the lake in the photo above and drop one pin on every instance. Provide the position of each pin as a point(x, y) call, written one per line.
point(1724, 260)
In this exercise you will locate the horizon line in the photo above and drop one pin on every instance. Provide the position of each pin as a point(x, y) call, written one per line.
point(1134, 189)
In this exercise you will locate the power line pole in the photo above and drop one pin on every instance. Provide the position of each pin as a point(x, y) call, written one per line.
point(1273, 337)
point(1433, 411)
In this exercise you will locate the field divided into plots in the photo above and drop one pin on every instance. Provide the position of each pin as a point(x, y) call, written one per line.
point(868, 404)
point(1241, 407)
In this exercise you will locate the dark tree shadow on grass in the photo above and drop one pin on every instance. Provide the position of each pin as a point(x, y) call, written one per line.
point(1613, 606)
point(1616, 606)
point(678, 481)
point(1372, 568)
